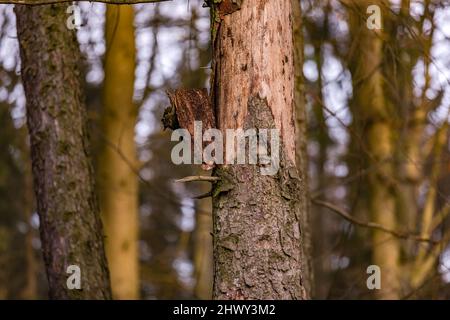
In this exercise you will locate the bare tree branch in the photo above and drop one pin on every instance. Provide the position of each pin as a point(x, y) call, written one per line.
point(42, 2)
point(198, 178)
point(371, 225)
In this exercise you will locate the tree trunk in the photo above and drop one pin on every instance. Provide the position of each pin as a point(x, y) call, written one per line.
point(118, 183)
point(203, 258)
point(257, 218)
point(371, 110)
point(301, 144)
point(70, 226)
point(30, 289)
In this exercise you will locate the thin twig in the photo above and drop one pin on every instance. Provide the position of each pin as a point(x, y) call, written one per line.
point(46, 2)
point(371, 225)
point(209, 194)
point(198, 178)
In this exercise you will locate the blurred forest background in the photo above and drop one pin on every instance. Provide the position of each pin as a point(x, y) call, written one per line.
point(377, 109)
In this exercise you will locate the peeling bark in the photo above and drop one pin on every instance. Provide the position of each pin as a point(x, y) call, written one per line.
point(70, 226)
point(187, 106)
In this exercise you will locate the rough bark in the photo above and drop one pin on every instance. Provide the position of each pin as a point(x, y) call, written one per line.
point(117, 159)
point(257, 219)
point(371, 111)
point(70, 226)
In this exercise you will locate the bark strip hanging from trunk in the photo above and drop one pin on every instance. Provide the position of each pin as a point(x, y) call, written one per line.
point(187, 106)
point(70, 226)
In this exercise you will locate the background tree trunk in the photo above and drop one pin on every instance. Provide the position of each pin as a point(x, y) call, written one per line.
point(257, 218)
point(301, 143)
point(71, 230)
point(30, 289)
point(118, 183)
point(203, 248)
point(372, 114)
